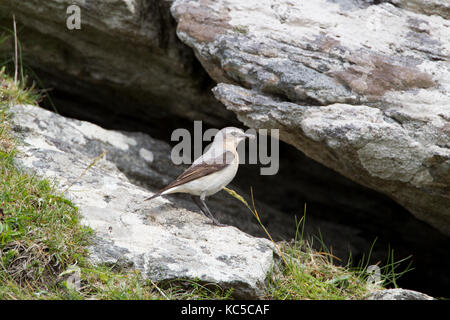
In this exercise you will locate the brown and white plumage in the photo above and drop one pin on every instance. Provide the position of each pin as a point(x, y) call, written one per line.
point(211, 172)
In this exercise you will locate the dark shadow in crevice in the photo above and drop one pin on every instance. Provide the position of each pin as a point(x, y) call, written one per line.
point(352, 215)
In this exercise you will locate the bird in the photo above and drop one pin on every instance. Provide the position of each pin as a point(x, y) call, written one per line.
point(211, 172)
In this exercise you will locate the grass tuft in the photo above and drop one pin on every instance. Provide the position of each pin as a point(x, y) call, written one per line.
point(42, 243)
point(309, 273)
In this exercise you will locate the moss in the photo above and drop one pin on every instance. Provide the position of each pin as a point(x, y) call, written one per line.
point(241, 29)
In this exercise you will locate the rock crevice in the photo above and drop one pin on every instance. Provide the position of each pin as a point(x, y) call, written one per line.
point(160, 239)
point(360, 88)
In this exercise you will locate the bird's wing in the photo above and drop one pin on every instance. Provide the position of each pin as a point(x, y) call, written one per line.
point(202, 169)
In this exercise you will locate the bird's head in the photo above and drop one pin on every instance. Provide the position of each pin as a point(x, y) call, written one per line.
point(230, 136)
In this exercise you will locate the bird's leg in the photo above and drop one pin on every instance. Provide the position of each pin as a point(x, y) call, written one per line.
point(214, 220)
point(200, 205)
point(204, 208)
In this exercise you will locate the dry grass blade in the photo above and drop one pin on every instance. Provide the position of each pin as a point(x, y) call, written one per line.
point(31, 262)
point(256, 215)
point(16, 69)
point(93, 163)
point(159, 290)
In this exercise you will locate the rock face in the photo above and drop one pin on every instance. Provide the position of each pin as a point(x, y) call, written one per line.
point(429, 7)
point(361, 87)
point(124, 64)
point(163, 240)
point(398, 294)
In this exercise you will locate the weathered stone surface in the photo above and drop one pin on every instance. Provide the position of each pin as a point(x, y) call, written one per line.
point(361, 88)
point(357, 141)
point(164, 239)
point(124, 65)
point(160, 238)
point(429, 7)
point(398, 294)
point(146, 163)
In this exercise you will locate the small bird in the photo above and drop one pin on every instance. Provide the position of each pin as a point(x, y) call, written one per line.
point(211, 172)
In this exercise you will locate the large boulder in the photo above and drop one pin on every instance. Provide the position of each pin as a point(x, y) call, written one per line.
point(124, 65)
point(360, 86)
point(398, 294)
point(162, 239)
point(429, 7)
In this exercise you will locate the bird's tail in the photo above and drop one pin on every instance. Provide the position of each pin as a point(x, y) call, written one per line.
point(153, 196)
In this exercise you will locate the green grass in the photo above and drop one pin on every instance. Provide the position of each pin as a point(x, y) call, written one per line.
point(314, 274)
point(42, 240)
point(39, 230)
point(307, 273)
point(311, 275)
point(43, 244)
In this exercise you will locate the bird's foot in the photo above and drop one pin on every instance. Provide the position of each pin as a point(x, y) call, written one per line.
point(215, 222)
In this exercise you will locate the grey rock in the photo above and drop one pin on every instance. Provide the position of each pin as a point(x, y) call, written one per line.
point(360, 88)
point(428, 7)
point(124, 64)
point(164, 239)
point(160, 238)
point(359, 142)
point(398, 294)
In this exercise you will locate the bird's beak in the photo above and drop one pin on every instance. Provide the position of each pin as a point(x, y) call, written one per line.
point(250, 136)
